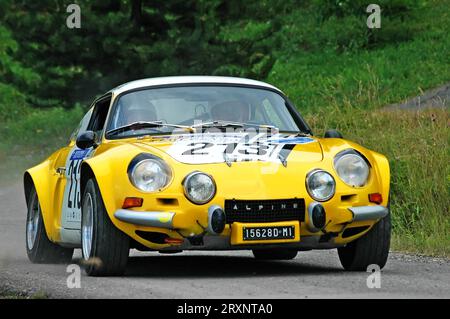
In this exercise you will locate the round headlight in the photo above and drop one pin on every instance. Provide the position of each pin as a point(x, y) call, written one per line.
point(320, 185)
point(352, 169)
point(199, 187)
point(150, 175)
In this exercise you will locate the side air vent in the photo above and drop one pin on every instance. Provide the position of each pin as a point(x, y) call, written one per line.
point(349, 232)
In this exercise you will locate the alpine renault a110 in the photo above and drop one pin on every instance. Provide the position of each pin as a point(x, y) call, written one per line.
point(205, 163)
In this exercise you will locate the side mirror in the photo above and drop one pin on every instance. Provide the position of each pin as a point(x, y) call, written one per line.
point(86, 140)
point(333, 134)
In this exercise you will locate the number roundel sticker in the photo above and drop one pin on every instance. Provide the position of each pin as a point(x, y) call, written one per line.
point(71, 206)
point(237, 147)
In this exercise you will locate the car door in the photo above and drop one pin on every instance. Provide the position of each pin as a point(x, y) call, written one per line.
point(58, 178)
point(67, 167)
point(71, 199)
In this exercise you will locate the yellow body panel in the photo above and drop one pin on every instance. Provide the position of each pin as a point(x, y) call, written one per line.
point(241, 180)
point(50, 188)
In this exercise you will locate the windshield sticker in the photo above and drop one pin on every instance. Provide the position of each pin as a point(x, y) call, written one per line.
point(237, 147)
point(79, 154)
point(293, 140)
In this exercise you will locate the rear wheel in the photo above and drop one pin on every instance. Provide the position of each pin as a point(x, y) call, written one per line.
point(105, 248)
point(370, 249)
point(39, 248)
point(275, 254)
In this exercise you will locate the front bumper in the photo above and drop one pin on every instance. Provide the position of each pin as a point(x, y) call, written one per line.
point(152, 219)
point(166, 219)
point(364, 213)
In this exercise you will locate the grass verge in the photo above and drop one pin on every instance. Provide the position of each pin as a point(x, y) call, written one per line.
point(7, 293)
point(416, 144)
point(28, 141)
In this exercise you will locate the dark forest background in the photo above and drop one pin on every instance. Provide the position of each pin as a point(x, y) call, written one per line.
point(122, 40)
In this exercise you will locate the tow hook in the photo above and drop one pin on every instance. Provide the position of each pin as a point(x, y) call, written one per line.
point(196, 240)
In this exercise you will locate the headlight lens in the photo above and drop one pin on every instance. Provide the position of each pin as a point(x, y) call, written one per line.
point(352, 169)
point(150, 175)
point(320, 185)
point(199, 187)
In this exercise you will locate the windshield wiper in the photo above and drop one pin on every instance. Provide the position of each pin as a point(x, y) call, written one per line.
point(142, 124)
point(232, 124)
point(218, 124)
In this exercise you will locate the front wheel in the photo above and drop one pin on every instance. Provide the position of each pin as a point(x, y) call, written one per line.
point(370, 249)
point(40, 249)
point(275, 254)
point(104, 247)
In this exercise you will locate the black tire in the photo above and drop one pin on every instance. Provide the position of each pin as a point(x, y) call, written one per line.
point(371, 248)
point(109, 247)
point(40, 250)
point(275, 254)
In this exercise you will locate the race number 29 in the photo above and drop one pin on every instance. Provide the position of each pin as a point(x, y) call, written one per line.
point(73, 200)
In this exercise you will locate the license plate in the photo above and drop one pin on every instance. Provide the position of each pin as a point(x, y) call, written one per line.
point(268, 232)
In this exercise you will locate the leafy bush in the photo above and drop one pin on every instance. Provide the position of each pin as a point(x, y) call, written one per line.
point(13, 105)
point(397, 19)
point(364, 78)
point(341, 8)
point(10, 69)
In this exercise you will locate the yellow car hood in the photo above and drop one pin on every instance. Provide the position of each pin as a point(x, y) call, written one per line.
point(235, 147)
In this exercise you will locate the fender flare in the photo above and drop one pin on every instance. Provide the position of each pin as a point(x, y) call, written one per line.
point(38, 176)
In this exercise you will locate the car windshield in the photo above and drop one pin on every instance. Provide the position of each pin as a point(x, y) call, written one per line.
point(193, 105)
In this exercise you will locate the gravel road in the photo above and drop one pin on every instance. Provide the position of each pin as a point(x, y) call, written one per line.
point(434, 98)
point(314, 274)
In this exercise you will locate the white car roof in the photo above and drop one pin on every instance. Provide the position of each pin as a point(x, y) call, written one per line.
point(187, 80)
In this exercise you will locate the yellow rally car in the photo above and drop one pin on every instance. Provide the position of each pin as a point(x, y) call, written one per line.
point(205, 163)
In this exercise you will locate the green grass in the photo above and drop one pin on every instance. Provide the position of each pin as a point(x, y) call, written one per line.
point(416, 144)
point(34, 137)
point(366, 79)
point(323, 75)
point(13, 294)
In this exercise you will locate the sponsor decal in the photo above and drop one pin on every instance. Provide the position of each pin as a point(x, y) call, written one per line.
point(79, 154)
point(235, 147)
point(71, 209)
point(292, 140)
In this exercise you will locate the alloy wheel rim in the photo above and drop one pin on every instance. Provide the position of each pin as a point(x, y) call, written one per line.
point(33, 223)
point(87, 226)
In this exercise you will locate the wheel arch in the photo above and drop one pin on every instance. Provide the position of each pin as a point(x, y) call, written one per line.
point(99, 170)
point(381, 166)
point(86, 173)
point(39, 178)
point(28, 184)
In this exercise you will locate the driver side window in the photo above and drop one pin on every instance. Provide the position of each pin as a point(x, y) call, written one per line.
point(82, 126)
point(99, 114)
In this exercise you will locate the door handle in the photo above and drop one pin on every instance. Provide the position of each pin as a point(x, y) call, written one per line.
point(61, 170)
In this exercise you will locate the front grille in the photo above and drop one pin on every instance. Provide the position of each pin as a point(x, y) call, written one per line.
point(264, 211)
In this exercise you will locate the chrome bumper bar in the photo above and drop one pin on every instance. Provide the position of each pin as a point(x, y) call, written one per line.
point(165, 219)
point(153, 219)
point(361, 213)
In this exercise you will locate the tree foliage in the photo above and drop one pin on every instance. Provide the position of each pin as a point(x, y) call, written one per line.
point(121, 40)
